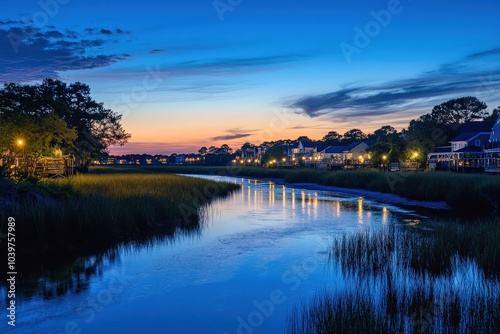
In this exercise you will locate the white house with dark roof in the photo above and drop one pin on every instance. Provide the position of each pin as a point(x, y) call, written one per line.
point(474, 139)
point(472, 150)
point(340, 155)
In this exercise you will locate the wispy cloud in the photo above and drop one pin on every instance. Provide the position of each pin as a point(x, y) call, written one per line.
point(156, 51)
point(234, 134)
point(28, 53)
point(230, 66)
point(232, 137)
point(474, 74)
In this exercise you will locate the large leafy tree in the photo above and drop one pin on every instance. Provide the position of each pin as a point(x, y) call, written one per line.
point(275, 152)
point(458, 111)
point(388, 143)
point(353, 135)
point(332, 138)
point(248, 149)
point(438, 127)
point(40, 134)
point(96, 126)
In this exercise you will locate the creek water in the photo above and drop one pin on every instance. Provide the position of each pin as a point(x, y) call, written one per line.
point(258, 253)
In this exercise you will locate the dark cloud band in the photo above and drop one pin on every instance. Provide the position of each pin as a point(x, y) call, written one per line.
point(466, 76)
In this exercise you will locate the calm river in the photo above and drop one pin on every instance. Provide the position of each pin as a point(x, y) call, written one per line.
point(259, 252)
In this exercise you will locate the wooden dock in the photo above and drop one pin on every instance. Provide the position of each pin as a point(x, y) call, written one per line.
point(43, 167)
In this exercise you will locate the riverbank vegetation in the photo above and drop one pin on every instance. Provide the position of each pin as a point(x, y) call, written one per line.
point(441, 279)
point(85, 214)
point(468, 194)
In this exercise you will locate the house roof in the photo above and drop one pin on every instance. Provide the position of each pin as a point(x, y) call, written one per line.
point(320, 148)
point(485, 138)
point(334, 149)
point(470, 149)
point(353, 145)
point(307, 143)
point(468, 136)
point(483, 126)
point(340, 149)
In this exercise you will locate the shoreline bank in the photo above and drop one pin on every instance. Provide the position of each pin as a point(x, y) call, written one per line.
point(374, 195)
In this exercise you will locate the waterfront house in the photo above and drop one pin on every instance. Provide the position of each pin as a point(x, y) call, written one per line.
point(338, 156)
point(474, 149)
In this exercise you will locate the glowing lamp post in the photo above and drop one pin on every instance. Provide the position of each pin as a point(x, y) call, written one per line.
point(384, 157)
point(415, 156)
point(20, 142)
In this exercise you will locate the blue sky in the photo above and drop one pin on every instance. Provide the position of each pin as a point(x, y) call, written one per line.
point(192, 73)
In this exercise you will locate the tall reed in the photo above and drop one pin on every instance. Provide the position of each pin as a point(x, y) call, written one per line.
point(399, 281)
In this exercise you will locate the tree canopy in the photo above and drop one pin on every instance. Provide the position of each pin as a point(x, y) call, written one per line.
point(353, 135)
point(55, 114)
point(332, 138)
point(458, 111)
point(438, 127)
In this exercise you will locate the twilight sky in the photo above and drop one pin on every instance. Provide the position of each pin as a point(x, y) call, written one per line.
point(193, 73)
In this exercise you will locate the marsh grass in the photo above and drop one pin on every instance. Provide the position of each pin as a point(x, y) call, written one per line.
point(86, 214)
point(397, 281)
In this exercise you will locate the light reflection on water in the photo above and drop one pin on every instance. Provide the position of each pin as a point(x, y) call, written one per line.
point(264, 238)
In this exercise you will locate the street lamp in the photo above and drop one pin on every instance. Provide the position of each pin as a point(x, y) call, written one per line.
point(384, 157)
point(20, 142)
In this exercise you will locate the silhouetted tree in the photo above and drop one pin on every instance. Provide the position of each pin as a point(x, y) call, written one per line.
point(458, 111)
point(303, 138)
point(203, 150)
point(332, 138)
point(352, 136)
point(274, 152)
point(389, 143)
point(248, 149)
